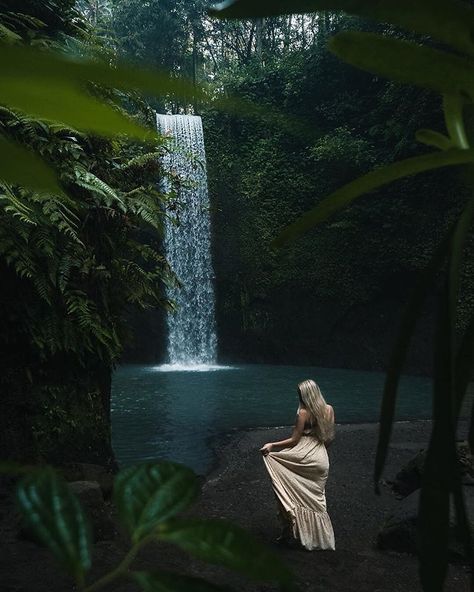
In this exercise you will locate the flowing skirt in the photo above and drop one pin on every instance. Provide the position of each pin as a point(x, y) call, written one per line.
point(299, 476)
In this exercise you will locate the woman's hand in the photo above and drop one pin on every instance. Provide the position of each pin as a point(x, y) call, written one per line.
point(266, 448)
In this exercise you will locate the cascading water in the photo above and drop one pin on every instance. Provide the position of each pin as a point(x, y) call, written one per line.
point(192, 338)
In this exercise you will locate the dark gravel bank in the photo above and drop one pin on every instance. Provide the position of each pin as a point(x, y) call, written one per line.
point(239, 489)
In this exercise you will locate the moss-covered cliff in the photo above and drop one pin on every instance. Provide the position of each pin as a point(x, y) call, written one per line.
point(334, 297)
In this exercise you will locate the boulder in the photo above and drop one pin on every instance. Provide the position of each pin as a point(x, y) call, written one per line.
point(399, 533)
point(92, 500)
point(408, 479)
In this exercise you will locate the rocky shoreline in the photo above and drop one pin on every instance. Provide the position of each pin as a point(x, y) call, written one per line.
point(238, 489)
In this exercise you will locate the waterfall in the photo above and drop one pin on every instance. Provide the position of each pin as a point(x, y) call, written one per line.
point(191, 328)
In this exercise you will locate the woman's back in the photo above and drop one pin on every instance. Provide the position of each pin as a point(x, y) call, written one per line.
point(311, 427)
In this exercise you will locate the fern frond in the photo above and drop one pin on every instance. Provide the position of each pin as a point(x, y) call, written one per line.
point(91, 182)
point(141, 160)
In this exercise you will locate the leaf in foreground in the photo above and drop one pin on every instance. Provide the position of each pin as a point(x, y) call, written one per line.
point(438, 472)
point(404, 61)
point(345, 195)
point(148, 494)
point(220, 542)
point(54, 86)
point(173, 582)
point(449, 21)
point(55, 516)
point(406, 329)
point(20, 166)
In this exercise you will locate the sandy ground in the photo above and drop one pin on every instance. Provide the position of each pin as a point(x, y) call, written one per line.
point(238, 489)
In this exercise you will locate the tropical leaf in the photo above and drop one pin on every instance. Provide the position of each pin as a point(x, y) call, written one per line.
point(438, 471)
point(72, 73)
point(63, 103)
point(449, 21)
point(406, 329)
point(173, 582)
point(20, 166)
point(55, 516)
point(407, 62)
point(147, 495)
point(434, 139)
point(343, 196)
point(220, 542)
point(453, 107)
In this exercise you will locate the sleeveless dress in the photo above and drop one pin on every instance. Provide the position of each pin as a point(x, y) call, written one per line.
point(299, 476)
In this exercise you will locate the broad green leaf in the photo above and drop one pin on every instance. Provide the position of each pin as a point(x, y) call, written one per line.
point(37, 73)
point(19, 166)
point(146, 495)
point(218, 541)
point(63, 103)
point(53, 86)
point(434, 139)
point(406, 62)
point(348, 193)
point(438, 473)
point(453, 106)
point(172, 582)
point(24, 62)
point(454, 240)
point(449, 21)
point(433, 520)
point(406, 329)
point(54, 514)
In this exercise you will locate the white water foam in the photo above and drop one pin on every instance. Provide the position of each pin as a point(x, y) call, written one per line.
point(192, 368)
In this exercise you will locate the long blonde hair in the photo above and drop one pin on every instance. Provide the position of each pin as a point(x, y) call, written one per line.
point(312, 398)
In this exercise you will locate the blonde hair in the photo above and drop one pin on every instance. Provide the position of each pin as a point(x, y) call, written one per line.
point(312, 398)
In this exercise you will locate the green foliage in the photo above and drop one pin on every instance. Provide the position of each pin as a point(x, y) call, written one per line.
point(148, 496)
point(219, 542)
point(78, 248)
point(449, 21)
point(54, 514)
point(451, 75)
point(171, 582)
point(404, 61)
point(60, 87)
point(382, 176)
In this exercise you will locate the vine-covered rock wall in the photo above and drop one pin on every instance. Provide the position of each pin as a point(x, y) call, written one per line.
point(334, 297)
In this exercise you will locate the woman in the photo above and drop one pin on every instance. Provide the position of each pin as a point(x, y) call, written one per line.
point(300, 469)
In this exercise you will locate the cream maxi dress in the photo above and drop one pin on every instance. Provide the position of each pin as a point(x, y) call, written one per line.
point(299, 476)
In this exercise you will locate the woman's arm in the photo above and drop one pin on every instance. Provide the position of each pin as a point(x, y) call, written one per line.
point(293, 439)
point(330, 417)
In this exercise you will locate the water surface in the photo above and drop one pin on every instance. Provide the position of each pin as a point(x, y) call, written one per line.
point(167, 412)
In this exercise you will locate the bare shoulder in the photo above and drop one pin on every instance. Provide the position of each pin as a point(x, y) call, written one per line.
point(329, 412)
point(304, 412)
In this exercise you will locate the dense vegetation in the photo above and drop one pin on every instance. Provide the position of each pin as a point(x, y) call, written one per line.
point(334, 298)
point(78, 254)
point(314, 124)
point(72, 265)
